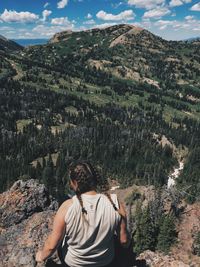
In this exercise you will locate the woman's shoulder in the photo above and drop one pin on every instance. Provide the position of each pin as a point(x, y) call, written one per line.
point(67, 202)
point(65, 205)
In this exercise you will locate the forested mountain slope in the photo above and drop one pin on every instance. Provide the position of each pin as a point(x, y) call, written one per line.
point(8, 45)
point(109, 95)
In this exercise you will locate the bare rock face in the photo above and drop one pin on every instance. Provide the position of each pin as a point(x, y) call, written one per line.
point(22, 200)
point(61, 36)
point(155, 259)
point(26, 217)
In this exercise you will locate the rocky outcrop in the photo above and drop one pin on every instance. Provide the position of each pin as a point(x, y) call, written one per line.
point(23, 200)
point(61, 36)
point(154, 259)
point(26, 215)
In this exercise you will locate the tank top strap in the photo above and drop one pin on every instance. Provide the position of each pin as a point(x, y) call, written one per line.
point(115, 200)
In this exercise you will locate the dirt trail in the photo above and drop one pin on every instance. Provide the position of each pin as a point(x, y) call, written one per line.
point(17, 69)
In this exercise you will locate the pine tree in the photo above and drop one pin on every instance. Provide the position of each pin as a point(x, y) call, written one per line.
point(38, 171)
point(145, 237)
point(60, 178)
point(48, 175)
point(167, 233)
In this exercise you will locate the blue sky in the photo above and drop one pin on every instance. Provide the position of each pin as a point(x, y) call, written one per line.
point(170, 19)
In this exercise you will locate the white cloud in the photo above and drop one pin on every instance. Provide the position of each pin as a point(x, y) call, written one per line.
point(125, 15)
point(195, 7)
point(45, 14)
point(45, 31)
point(156, 13)
point(61, 21)
point(147, 4)
point(46, 4)
point(172, 29)
point(21, 17)
point(104, 25)
point(163, 24)
point(89, 16)
point(188, 25)
point(62, 3)
point(174, 3)
point(189, 18)
point(89, 22)
point(6, 28)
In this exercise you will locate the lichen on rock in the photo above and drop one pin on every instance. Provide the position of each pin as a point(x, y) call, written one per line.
point(26, 217)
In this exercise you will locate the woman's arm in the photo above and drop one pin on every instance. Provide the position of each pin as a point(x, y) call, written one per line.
point(123, 233)
point(56, 235)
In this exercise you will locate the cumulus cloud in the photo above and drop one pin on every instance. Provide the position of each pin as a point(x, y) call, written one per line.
point(62, 3)
point(172, 29)
point(195, 7)
point(189, 18)
point(45, 31)
point(6, 28)
point(125, 15)
point(104, 25)
point(163, 24)
point(189, 25)
point(20, 17)
point(156, 13)
point(89, 22)
point(45, 14)
point(61, 21)
point(147, 4)
point(174, 3)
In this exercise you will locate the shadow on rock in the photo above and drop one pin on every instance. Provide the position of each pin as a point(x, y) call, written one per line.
point(137, 263)
point(51, 263)
point(140, 263)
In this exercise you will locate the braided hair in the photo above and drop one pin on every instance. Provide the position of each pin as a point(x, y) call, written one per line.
point(88, 178)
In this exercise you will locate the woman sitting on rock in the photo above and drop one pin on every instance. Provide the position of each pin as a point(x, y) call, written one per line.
point(87, 223)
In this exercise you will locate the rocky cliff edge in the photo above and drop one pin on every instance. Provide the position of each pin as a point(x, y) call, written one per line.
point(26, 215)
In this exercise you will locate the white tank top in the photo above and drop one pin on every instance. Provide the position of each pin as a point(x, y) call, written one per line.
point(90, 243)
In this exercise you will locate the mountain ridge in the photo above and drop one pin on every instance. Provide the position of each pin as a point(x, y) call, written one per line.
point(7, 45)
point(60, 36)
point(140, 52)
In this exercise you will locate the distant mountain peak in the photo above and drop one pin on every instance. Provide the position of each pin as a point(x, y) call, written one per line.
point(119, 26)
point(114, 29)
point(126, 27)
